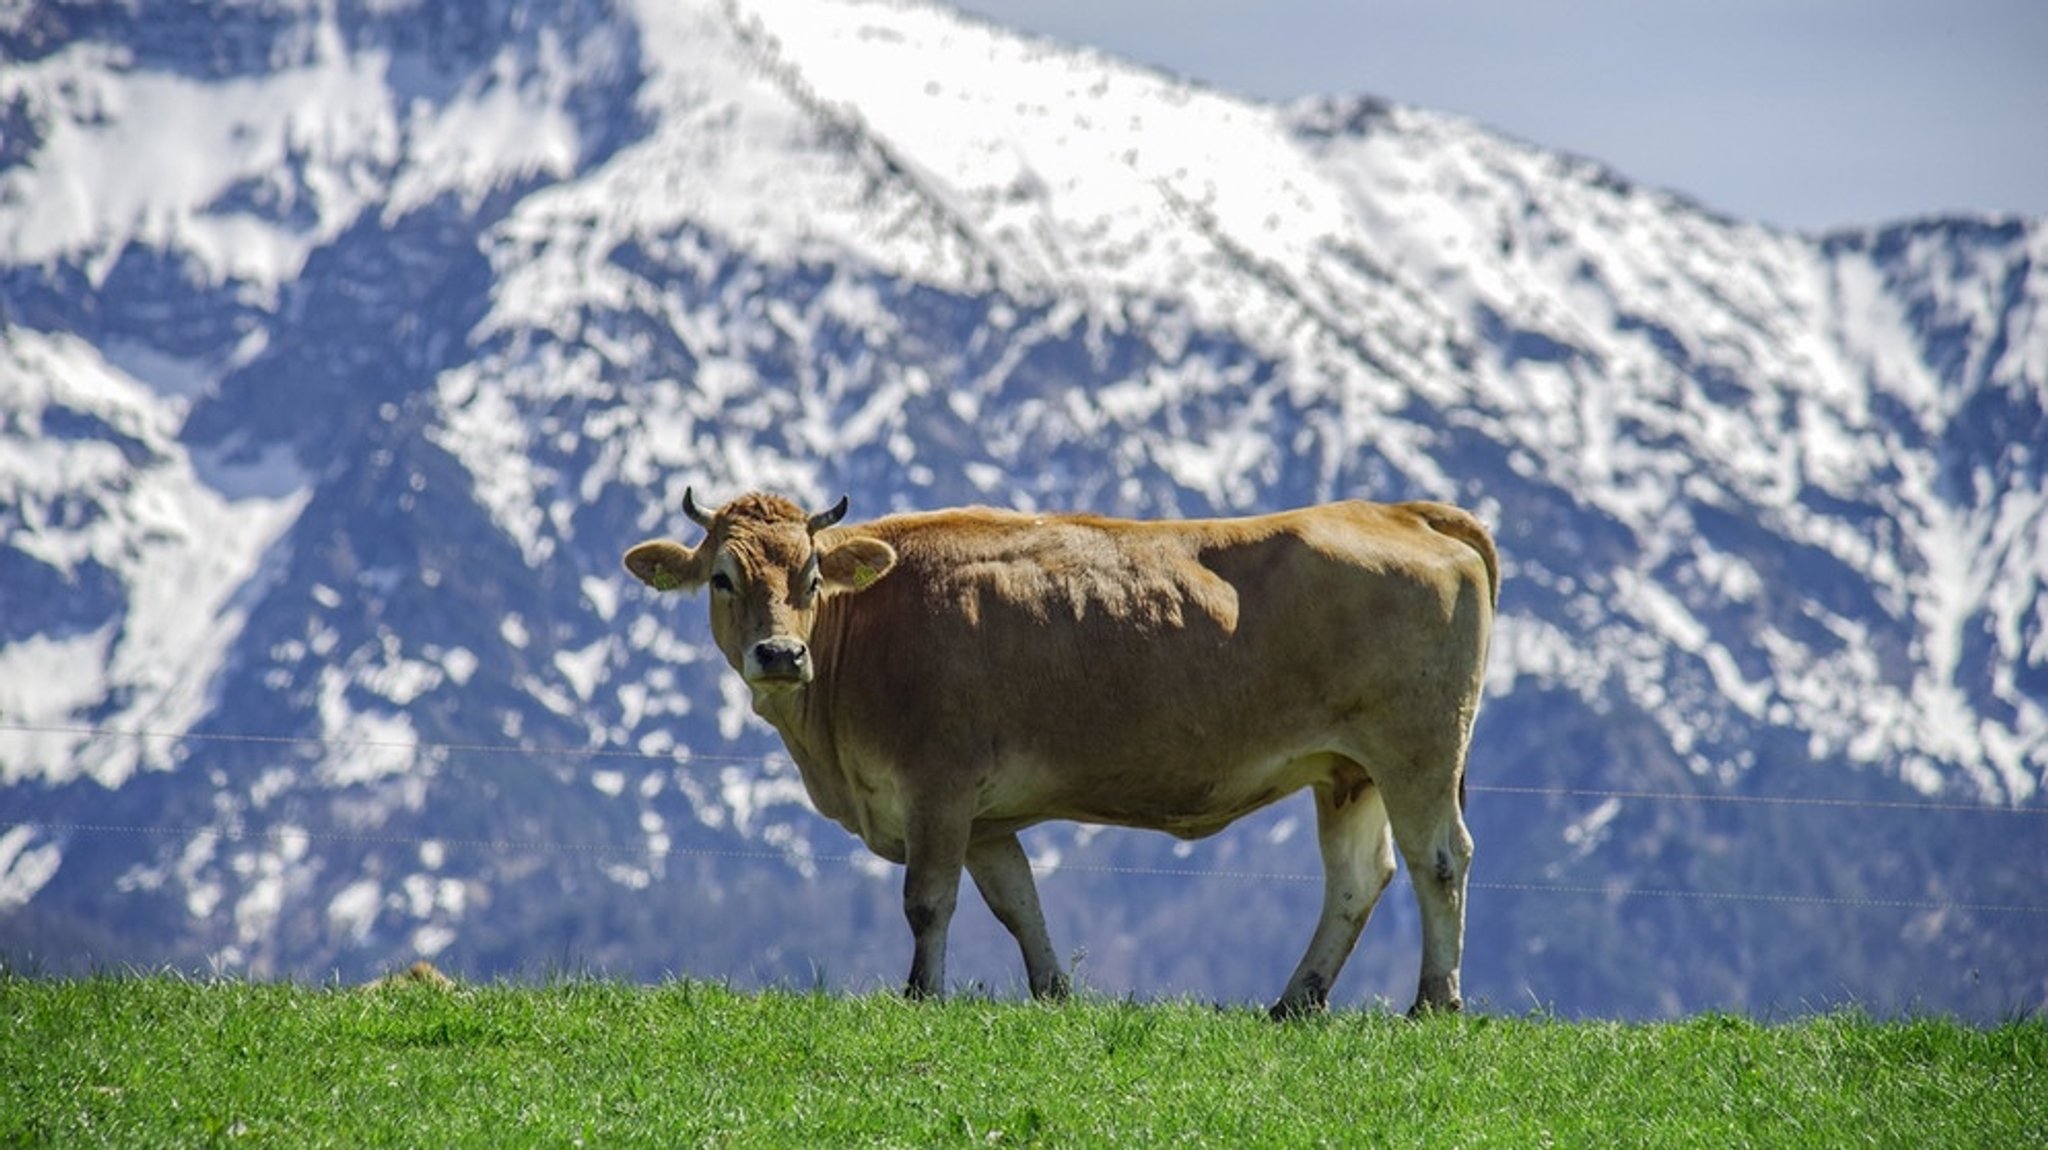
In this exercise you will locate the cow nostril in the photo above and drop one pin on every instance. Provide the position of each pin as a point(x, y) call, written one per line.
point(781, 654)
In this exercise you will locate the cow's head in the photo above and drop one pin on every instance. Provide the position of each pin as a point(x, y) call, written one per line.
point(771, 566)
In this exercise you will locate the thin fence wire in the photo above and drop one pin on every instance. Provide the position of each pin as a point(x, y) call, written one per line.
point(684, 757)
point(417, 747)
point(542, 846)
point(1759, 800)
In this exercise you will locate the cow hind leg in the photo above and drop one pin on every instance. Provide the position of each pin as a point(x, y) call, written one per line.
point(1003, 875)
point(1430, 831)
point(1358, 863)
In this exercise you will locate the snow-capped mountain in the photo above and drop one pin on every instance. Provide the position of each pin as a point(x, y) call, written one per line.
point(346, 347)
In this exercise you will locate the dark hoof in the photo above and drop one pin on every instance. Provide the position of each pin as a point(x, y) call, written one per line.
point(1423, 1009)
point(1285, 1011)
point(1058, 990)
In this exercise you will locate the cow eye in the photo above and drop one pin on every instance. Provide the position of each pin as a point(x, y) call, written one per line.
point(817, 585)
point(721, 582)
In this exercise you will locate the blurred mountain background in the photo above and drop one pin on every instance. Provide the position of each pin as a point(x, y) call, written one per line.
point(346, 347)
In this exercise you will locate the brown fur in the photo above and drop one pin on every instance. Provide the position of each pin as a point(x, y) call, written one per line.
point(999, 669)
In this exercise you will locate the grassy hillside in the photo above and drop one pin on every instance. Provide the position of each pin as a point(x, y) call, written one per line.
point(161, 1061)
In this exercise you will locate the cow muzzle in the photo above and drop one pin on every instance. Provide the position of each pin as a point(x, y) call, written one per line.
point(778, 662)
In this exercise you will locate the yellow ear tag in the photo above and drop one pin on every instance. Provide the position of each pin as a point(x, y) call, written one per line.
point(663, 579)
point(864, 575)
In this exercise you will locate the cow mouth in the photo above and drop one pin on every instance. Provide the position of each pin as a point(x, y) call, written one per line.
point(777, 664)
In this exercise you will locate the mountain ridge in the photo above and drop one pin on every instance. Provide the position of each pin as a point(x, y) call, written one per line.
point(334, 521)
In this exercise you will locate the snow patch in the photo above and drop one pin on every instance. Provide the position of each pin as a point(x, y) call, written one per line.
point(135, 156)
point(584, 669)
point(25, 869)
point(180, 549)
point(353, 909)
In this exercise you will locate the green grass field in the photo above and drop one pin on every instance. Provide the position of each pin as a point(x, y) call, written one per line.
point(160, 1061)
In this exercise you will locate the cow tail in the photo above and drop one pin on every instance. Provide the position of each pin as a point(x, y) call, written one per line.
point(1461, 525)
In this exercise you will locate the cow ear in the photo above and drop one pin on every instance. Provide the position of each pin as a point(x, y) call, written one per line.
point(855, 564)
point(667, 566)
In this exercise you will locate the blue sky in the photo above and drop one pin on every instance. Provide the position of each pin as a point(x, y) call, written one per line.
point(1807, 114)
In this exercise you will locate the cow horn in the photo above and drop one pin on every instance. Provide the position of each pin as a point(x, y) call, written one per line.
point(824, 519)
point(690, 509)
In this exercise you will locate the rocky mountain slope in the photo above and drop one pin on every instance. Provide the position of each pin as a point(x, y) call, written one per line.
point(346, 347)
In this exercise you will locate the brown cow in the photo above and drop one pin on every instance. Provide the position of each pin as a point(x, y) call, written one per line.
point(946, 679)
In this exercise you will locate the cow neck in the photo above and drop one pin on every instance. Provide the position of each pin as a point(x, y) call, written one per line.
point(803, 716)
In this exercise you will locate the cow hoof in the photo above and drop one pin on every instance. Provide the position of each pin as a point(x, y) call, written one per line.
point(1288, 1010)
point(1426, 1009)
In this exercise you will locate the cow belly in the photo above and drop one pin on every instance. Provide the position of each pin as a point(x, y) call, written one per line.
point(1187, 800)
point(1096, 757)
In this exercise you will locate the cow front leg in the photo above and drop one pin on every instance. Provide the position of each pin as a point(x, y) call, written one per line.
point(1003, 875)
point(1358, 863)
point(936, 849)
